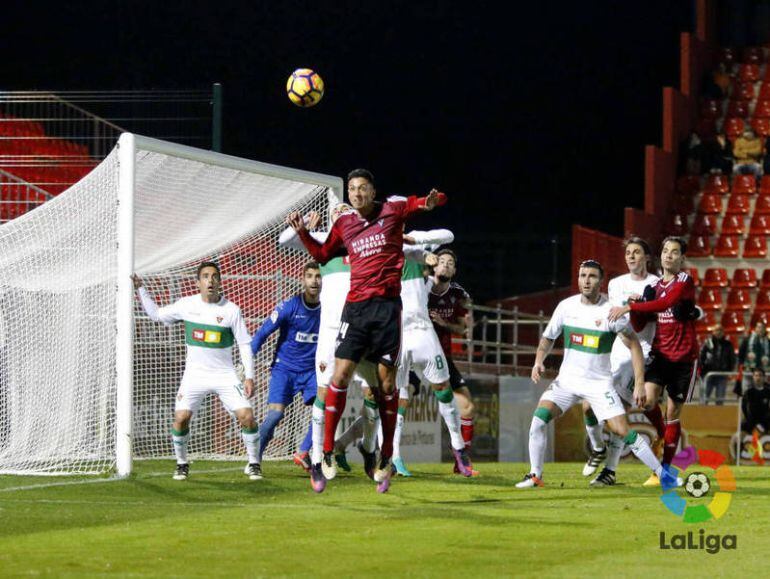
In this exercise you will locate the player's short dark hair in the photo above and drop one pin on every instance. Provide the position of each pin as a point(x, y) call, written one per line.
point(676, 239)
point(364, 174)
point(636, 240)
point(204, 265)
point(758, 369)
point(310, 265)
point(448, 252)
point(592, 263)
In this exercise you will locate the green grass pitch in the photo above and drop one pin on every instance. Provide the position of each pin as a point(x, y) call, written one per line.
point(220, 524)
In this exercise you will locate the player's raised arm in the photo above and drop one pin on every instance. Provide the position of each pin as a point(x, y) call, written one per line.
point(270, 325)
point(321, 252)
point(168, 314)
point(434, 199)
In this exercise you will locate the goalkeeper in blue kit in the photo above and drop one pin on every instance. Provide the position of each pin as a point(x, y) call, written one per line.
point(293, 366)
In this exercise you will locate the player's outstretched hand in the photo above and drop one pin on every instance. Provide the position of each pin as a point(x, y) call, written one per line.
point(434, 198)
point(431, 259)
point(640, 396)
point(438, 320)
point(408, 240)
point(248, 387)
point(313, 220)
point(295, 221)
point(137, 281)
point(618, 312)
point(537, 371)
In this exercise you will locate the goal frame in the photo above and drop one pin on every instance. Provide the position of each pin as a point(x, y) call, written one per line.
point(128, 146)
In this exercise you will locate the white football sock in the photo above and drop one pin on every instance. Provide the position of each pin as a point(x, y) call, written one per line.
point(251, 441)
point(180, 446)
point(538, 438)
point(614, 450)
point(643, 452)
point(397, 436)
point(351, 434)
point(595, 435)
point(318, 420)
point(451, 416)
point(371, 425)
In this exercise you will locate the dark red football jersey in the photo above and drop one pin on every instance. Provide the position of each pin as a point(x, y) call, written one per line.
point(674, 340)
point(451, 307)
point(375, 247)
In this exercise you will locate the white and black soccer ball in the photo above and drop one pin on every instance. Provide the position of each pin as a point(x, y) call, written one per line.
point(697, 485)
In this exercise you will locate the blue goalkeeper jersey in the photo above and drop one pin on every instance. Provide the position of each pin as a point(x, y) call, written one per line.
point(298, 339)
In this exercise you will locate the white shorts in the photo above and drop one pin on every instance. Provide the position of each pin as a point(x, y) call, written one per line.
point(365, 374)
point(324, 355)
point(565, 391)
point(190, 397)
point(623, 380)
point(422, 353)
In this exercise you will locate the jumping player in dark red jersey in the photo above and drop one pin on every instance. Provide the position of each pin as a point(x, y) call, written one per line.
point(674, 356)
point(449, 308)
point(372, 237)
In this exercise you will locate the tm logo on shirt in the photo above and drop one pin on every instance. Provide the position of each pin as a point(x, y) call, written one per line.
point(207, 336)
point(585, 340)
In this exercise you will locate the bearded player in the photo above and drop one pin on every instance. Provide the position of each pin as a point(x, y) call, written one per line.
point(585, 372)
point(372, 237)
point(449, 307)
point(674, 356)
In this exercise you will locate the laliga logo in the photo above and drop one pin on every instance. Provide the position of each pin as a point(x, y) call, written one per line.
point(698, 484)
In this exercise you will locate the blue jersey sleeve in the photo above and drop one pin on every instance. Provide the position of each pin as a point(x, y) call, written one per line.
point(273, 322)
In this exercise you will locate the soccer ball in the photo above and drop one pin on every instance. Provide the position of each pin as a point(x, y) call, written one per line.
point(305, 88)
point(697, 485)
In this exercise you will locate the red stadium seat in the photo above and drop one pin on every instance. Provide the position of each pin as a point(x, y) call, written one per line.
point(737, 109)
point(753, 55)
point(744, 277)
point(748, 72)
point(738, 299)
point(744, 185)
point(727, 56)
point(733, 322)
point(762, 110)
point(712, 109)
point(717, 183)
point(707, 322)
point(683, 204)
point(715, 277)
point(764, 90)
point(764, 281)
point(710, 204)
point(757, 317)
point(738, 204)
point(762, 207)
point(699, 246)
point(733, 225)
point(704, 224)
point(760, 225)
point(755, 247)
point(763, 300)
point(727, 246)
point(676, 225)
point(710, 299)
point(733, 127)
point(693, 273)
point(688, 184)
point(744, 91)
point(761, 127)
point(764, 185)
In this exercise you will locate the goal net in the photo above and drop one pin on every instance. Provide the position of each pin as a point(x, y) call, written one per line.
point(87, 380)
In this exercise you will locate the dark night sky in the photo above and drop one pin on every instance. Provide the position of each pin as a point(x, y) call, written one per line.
point(530, 116)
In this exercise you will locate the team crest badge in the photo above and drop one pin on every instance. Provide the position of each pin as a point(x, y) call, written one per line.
point(219, 319)
point(381, 222)
point(598, 323)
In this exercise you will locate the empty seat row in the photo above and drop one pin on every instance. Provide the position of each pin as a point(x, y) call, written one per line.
point(743, 277)
point(691, 185)
point(754, 246)
point(710, 298)
point(708, 128)
point(729, 56)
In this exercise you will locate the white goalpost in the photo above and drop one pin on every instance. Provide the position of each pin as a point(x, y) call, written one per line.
point(87, 381)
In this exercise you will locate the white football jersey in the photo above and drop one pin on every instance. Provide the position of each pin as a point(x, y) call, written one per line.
point(588, 336)
point(620, 289)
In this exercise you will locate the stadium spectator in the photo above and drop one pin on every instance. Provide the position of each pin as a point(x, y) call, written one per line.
point(717, 155)
point(754, 352)
point(716, 355)
point(756, 404)
point(747, 151)
point(691, 155)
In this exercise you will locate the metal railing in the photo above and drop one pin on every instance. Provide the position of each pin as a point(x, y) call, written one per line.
point(719, 381)
point(503, 340)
